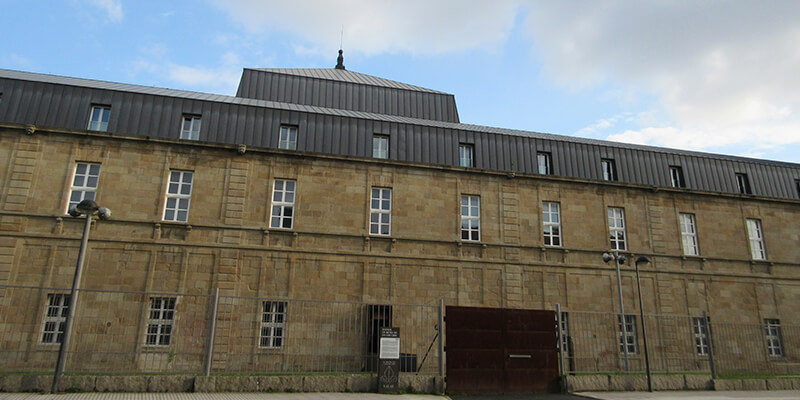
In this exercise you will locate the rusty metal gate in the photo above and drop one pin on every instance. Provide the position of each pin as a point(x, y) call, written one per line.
point(497, 350)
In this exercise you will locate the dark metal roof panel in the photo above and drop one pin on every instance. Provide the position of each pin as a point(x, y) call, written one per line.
point(66, 102)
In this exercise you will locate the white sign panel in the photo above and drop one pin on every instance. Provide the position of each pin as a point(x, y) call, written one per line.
point(390, 348)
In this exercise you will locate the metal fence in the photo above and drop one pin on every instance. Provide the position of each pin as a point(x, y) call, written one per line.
point(119, 332)
point(598, 343)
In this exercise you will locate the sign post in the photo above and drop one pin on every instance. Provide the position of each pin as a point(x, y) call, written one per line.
point(389, 361)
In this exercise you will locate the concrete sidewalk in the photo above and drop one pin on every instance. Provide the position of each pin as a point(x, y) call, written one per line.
point(699, 395)
point(218, 396)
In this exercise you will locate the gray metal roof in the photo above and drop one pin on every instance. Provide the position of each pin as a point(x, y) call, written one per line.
point(62, 102)
point(346, 90)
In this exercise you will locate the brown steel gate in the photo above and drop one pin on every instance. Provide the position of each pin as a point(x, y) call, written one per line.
point(497, 350)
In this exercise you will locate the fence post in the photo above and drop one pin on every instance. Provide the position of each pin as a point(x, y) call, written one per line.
point(560, 348)
point(441, 341)
point(212, 331)
point(710, 346)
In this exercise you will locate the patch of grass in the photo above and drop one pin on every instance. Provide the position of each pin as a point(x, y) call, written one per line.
point(753, 375)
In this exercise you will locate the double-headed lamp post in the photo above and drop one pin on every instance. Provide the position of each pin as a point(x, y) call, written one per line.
point(87, 208)
point(620, 259)
point(643, 260)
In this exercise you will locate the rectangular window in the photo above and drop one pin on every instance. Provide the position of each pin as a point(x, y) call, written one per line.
point(700, 336)
point(756, 237)
point(743, 184)
point(288, 139)
point(628, 337)
point(84, 183)
point(551, 223)
point(772, 330)
point(273, 324)
point(179, 194)
point(380, 213)
point(191, 127)
point(283, 193)
point(689, 235)
point(380, 146)
point(159, 323)
point(98, 118)
point(616, 228)
point(470, 218)
point(563, 332)
point(465, 155)
point(797, 185)
point(609, 169)
point(55, 316)
point(676, 176)
point(544, 163)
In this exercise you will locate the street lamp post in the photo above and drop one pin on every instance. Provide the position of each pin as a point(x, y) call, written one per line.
point(620, 259)
point(87, 208)
point(643, 260)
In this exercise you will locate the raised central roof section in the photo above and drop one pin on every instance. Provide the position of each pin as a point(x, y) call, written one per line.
point(347, 90)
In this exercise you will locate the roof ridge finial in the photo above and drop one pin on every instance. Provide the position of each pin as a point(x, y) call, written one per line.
point(340, 60)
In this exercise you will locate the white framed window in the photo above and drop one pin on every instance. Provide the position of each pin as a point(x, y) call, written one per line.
point(273, 324)
point(676, 177)
point(190, 129)
point(465, 155)
point(288, 138)
point(470, 217)
point(551, 223)
point(743, 184)
point(283, 195)
point(380, 146)
point(616, 228)
point(701, 344)
point(756, 237)
point(55, 316)
point(98, 118)
point(628, 337)
point(160, 321)
point(84, 183)
point(772, 331)
point(689, 235)
point(609, 169)
point(544, 163)
point(380, 211)
point(179, 195)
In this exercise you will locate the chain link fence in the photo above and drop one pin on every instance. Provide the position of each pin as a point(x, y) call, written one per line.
point(119, 332)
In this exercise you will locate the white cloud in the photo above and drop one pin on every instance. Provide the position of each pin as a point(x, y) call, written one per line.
point(113, 8)
point(221, 78)
point(371, 27)
point(723, 72)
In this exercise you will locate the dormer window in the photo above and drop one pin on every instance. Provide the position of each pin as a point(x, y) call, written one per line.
point(609, 169)
point(676, 177)
point(288, 139)
point(98, 118)
point(190, 129)
point(743, 183)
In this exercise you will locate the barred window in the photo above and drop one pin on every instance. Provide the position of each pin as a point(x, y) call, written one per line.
point(701, 336)
point(159, 323)
point(55, 316)
point(283, 195)
point(273, 324)
point(772, 330)
point(628, 336)
point(84, 183)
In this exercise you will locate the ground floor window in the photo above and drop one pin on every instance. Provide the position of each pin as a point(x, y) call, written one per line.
point(772, 329)
point(273, 324)
point(627, 334)
point(55, 317)
point(161, 318)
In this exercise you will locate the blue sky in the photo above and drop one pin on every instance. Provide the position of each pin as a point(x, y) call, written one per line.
point(715, 76)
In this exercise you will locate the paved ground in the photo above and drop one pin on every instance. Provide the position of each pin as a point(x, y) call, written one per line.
point(702, 395)
point(708, 395)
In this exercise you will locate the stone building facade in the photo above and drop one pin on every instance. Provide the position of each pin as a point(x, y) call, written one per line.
point(371, 230)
